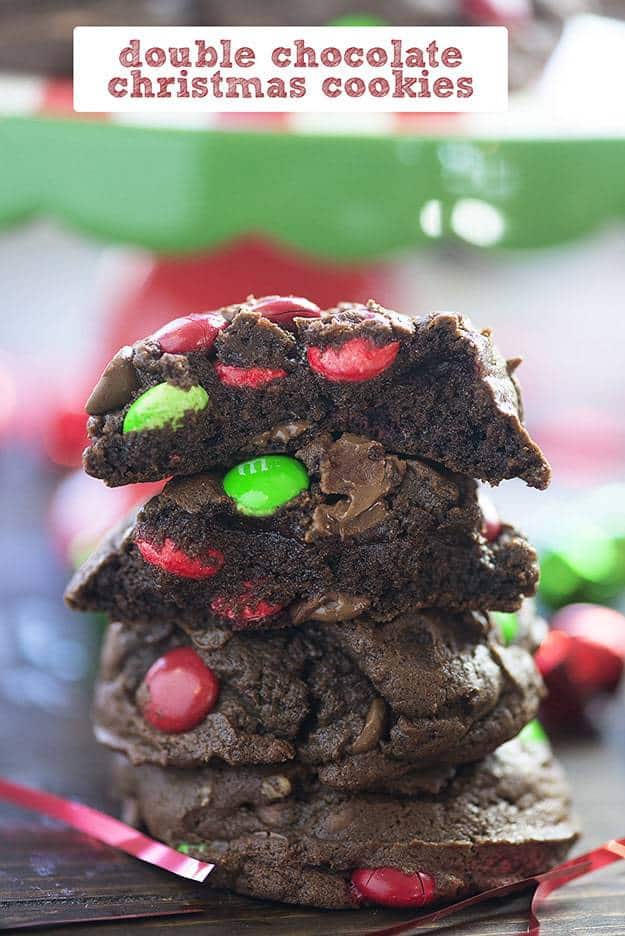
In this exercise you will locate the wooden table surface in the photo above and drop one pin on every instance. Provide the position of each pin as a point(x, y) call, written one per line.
point(60, 881)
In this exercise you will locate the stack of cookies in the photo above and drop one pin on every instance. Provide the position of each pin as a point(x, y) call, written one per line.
point(319, 669)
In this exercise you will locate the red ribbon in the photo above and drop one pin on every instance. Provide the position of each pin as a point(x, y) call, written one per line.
point(113, 832)
point(106, 829)
point(562, 874)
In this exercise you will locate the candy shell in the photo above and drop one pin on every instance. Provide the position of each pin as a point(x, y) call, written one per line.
point(164, 405)
point(178, 691)
point(252, 377)
point(174, 560)
point(195, 332)
point(356, 360)
point(262, 485)
point(390, 887)
point(283, 309)
point(244, 609)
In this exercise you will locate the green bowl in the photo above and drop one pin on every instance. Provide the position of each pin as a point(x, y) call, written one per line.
point(341, 197)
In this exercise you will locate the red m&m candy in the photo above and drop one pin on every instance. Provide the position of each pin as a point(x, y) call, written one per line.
point(178, 691)
point(246, 608)
point(283, 309)
point(391, 887)
point(176, 561)
point(587, 642)
point(253, 377)
point(580, 659)
point(195, 332)
point(355, 360)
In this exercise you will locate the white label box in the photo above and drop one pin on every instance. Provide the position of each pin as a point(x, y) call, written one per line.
point(297, 69)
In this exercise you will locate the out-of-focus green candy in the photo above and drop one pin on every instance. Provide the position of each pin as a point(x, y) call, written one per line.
point(588, 568)
point(559, 582)
point(508, 624)
point(164, 405)
point(534, 733)
point(261, 485)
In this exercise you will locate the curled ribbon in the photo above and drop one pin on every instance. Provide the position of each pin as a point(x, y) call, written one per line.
point(106, 829)
point(545, 884)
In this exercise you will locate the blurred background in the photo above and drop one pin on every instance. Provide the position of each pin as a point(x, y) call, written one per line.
point(108, 229)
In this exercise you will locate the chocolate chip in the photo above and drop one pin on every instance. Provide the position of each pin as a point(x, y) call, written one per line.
point(205, 794)
point(329, 608)
point(372, 729)
point(212, 639)
point(194, 493)
point(340, 819)
point(278, 814)
point(281, 434)
point(116, 385)
point(275, 788)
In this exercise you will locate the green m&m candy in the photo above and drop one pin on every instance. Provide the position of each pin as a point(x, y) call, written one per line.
point(534, 733)
point(261, 485)
point(164, 405)
point(187, 847)
point(508, 625)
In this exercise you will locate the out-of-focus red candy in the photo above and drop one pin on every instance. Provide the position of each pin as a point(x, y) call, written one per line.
point(581, 658)
point(254, 377)
point(82, 509)
point(588, 641)
point(596, 623)
point(178, 691)
point(356, 359)
point(195, 332)
point(390, 887)
point(491, 524)
point(65, 437)
point(498, 12)
point(283, 309)
point(176, 561)
point(246, 608)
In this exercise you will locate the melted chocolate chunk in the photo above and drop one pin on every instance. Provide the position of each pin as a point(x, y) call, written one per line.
point(330, 608)
point(116, 386)
point(360, 470)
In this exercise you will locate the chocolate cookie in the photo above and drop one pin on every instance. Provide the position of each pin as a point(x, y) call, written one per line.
point(207, 390)
point(282, 836)
point(363, 704)
point(343, 528)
